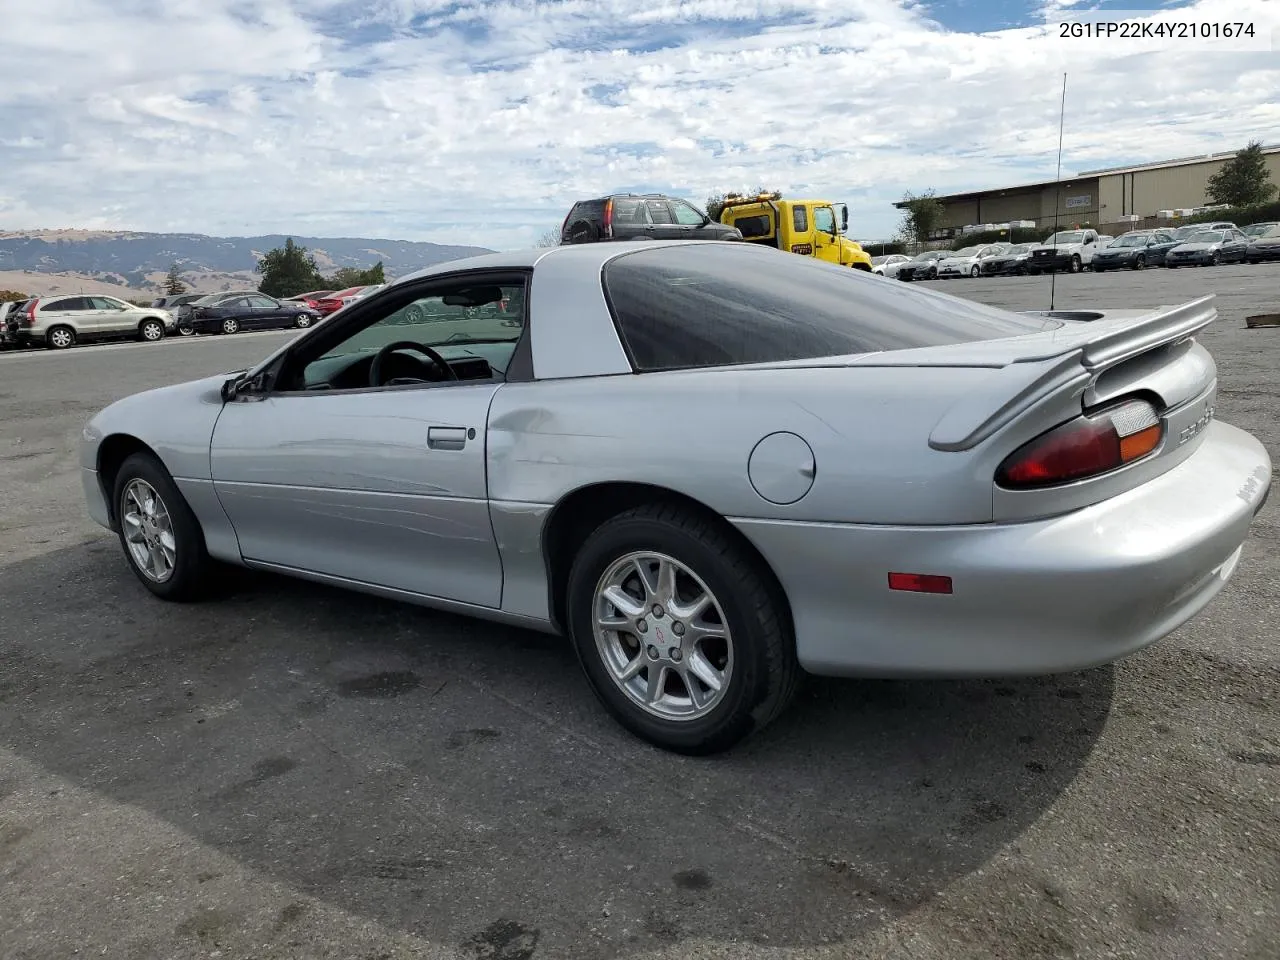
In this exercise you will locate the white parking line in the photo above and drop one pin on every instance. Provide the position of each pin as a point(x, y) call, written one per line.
point(31, 353)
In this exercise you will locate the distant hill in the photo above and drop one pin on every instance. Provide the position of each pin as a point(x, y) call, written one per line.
point(140, 260)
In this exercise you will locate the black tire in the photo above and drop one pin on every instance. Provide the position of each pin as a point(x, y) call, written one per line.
point(1213, 259)
point(60, 337)
point(151, 330)
point(229, 325)
point(1139, 262)
point(186, 330)
point(192, 568)
point(1074, 265)
point(302, 321)
point(765, 673)
point(975, 271)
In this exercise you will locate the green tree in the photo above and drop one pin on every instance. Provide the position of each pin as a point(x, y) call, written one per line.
point(1244, 180)
point(353, 277)
point(288, 270)
point(173, 284)
point(715, 202)
point(12, 295)
point(921, 217)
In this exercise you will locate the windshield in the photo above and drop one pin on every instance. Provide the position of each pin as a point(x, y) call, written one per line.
point(1068, 236)
point(966, 252)
point(1260, 229)
point(1273, 232)
point(1132, 240)
point(1206, 236)
point(720, 304)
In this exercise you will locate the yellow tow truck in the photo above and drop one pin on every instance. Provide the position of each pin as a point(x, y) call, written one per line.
point(811, 228)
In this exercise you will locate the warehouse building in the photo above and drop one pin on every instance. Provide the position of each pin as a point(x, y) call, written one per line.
point(1114, 199)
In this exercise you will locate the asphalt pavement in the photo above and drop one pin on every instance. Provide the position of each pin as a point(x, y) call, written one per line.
point(290, 771)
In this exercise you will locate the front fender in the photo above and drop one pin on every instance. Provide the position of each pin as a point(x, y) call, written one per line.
point(176, 422)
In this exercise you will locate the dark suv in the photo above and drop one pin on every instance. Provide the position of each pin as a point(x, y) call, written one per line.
point(649, 216)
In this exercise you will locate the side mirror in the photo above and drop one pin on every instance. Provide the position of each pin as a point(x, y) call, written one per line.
point(231, 387)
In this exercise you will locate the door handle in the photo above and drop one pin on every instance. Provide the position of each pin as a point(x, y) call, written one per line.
point(446, 438)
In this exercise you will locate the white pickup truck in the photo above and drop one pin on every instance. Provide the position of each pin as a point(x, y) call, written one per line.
point(1070, 250)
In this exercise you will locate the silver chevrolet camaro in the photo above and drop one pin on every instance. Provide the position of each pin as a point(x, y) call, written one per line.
point(714, 467)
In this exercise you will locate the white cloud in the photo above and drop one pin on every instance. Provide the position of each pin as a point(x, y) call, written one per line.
point(480, 122)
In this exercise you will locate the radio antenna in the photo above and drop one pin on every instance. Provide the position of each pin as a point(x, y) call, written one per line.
point(1057, 199)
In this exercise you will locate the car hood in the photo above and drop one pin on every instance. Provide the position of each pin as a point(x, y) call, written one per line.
point(1119, 251)
point(957, 261)
point(1060, 247)
point(1197, 247)
point(1265, 242)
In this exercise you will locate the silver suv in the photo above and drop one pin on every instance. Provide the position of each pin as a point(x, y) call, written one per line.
point(61, 322)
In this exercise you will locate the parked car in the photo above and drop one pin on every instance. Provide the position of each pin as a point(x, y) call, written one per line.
point(1265, 247)
point(171, 302)
point(966, 262)
point(185, 310)
point(1135, 250)
point(882, 265)
point(924, 266)
point(1259, 229)
point(336, 301)
point(1012, 260)
point(1208, 248)
point(1070, 250)
point(62, 322)
point(631, 216)
point(256, 311)
point(310, 298)
point(1030, 493)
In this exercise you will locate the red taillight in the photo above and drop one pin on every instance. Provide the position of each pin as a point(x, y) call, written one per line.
point(920, 582)
point(608, 218)
point(31, 313)
point(1085, 447)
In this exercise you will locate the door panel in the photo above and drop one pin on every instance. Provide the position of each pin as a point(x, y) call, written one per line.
point(664, 224)
point(384, 487)
point(108, 316)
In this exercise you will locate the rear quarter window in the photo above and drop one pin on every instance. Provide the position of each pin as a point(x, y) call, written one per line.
point(719, 305)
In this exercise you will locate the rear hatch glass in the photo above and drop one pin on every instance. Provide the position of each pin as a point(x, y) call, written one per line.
point(720, 304)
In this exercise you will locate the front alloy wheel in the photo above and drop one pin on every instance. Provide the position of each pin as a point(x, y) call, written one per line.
point(152, 330)
point(148, 531)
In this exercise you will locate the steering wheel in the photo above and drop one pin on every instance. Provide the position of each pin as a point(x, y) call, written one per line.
point(375, 368)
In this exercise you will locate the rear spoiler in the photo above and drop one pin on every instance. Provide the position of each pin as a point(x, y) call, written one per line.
point(1078, 356)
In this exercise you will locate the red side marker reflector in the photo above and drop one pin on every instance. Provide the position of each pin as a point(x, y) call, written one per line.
point(920, 582)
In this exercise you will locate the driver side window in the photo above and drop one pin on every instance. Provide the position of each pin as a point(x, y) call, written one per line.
point(463, 332)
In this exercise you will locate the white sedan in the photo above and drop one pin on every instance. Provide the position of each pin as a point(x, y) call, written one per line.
point(888, 265)
point(966, 262)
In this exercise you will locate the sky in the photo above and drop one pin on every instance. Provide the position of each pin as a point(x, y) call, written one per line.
point(481, 121)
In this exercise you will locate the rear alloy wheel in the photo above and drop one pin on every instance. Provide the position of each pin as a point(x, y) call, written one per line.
point(151, 330)
point(162, 539)
point(230, 325)
point(683, 637)
point(59, 338)
point(186, 330)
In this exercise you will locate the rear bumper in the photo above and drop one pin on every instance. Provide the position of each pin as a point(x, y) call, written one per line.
point(1059, 262)
point(1065, 593)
